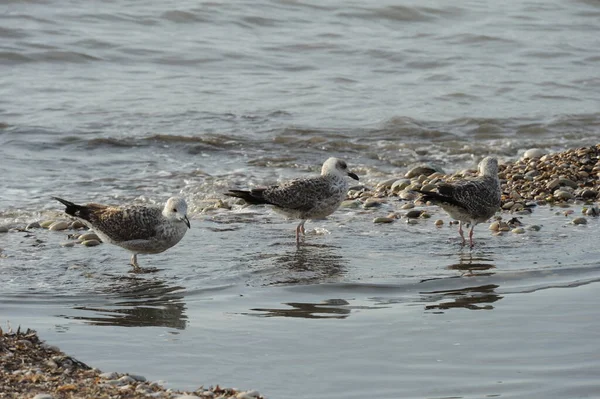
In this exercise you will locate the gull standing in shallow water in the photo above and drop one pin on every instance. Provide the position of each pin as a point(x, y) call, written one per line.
point(139, 229)
point(470, 200)
point(305, 198)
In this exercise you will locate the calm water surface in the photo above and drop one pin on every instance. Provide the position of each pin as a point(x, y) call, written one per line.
point(136, 101)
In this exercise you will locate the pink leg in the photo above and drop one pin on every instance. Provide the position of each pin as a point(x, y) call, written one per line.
point(471, 235)
point(298, 235)
point(460, 231)
point(302, 228)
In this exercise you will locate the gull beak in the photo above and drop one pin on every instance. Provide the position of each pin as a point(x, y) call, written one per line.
point(187, 221)
point(353, 175)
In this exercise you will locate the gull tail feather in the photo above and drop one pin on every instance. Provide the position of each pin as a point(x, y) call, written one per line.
point(79, 211)
point(437, 198)
point(253, 197)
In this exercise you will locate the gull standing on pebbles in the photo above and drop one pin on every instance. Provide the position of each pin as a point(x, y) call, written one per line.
point(139, 229)
point(305, 198)
point(470, 200)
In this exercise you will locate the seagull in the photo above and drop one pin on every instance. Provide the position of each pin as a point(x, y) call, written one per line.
point(472, 200)
point(139, 229)
point(304, 198)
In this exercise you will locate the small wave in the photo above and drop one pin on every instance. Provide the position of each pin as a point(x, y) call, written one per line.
point(404, 13)
point(183, 17)
point(62, 56)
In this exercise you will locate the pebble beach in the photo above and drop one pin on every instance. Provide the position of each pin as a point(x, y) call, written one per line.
point(30, 368)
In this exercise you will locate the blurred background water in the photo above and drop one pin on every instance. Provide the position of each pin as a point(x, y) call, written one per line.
point(122, 101)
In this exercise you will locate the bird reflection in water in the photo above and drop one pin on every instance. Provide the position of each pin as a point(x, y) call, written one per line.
point(470, 264)
point(472, 298)
point(308, 264)
point(146, 303)
point(328, 309)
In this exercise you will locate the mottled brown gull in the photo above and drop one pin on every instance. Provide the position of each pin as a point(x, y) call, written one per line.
point(139, 229)
point(472, 200)
point(304, 198)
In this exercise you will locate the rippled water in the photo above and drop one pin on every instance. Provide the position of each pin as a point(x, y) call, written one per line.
point(136, 101)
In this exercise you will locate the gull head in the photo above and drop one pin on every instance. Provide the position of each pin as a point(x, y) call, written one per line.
point(488, 167)
point(176, 210)
point(337, 167)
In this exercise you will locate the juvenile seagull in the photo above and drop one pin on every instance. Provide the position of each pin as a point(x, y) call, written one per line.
point(139, 229)
point(305, 198)
point(470, 200)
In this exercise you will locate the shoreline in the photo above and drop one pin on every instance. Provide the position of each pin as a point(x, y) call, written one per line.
point(33, 369)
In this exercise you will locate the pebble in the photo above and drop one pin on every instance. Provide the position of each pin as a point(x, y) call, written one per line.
point(589, 194)
point(508, 205)
point(407, 195)
point(350, 204)
point(43, 396)
point(518, 230)
point(387, 184)
point(534, 227)
point(247, 395)
point(90, 243)
point(428, 187)
point(400, 185)
point(88, 236)
point(67, 244)
point(59, 225)
point(138, 377)
point(412, 221)
point(563, 181)
point(186, 397)
point(580, 220)
point(593, 211)
point(533, 153)
point(372, 203)
point(33, 225)
point(77, 224)
point(109, 375)
point(439, 222)
point(3, 229)
point(383, 220)
point(46, 223)
point(408, 205)
point(413, 214)
point(422, 170)
point(563, 195)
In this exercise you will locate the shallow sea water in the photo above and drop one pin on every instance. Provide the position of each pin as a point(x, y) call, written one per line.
point(125, 101)
point(406, 312)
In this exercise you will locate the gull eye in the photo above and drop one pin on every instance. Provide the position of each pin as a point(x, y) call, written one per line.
point(174, 209)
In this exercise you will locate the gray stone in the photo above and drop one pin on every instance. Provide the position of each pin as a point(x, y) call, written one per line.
point(580, 220)
point(423, 169)
point(33, 225)
point(43, 396)
point(533, 153)
point(383, 220)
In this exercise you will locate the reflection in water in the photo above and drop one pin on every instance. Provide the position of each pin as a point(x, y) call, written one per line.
point(328, 309)
point(148, 303)
point(310, 264)
point(468, 298)
point(307, 264)
point(469, 263)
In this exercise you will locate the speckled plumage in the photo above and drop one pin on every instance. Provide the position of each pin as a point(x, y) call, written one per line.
point(139, 229)
point(304, 198)
point(471, 200)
